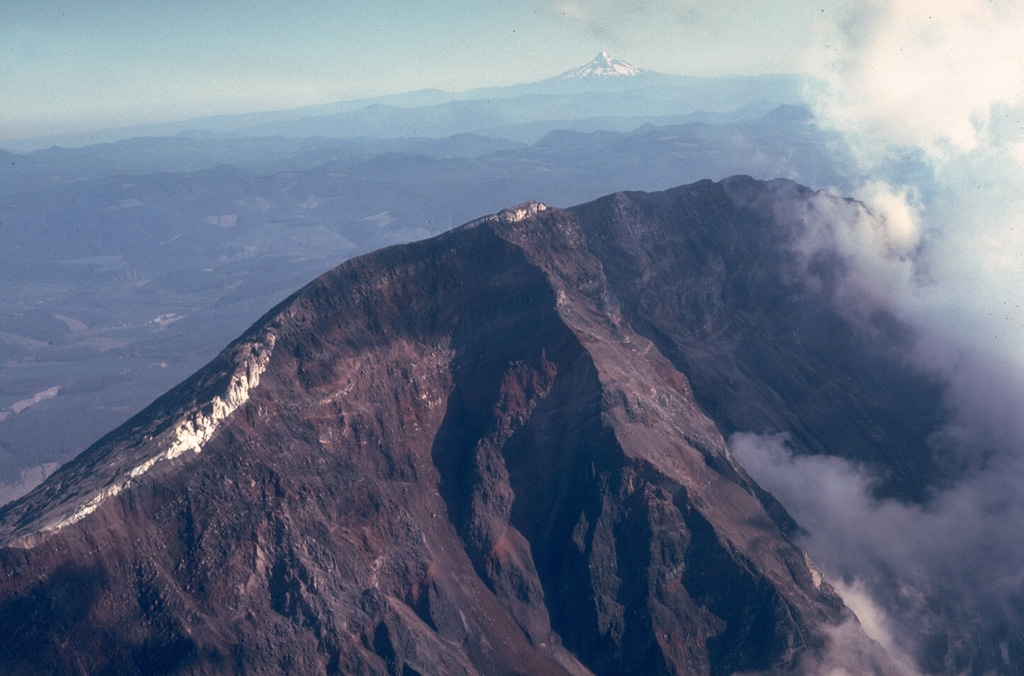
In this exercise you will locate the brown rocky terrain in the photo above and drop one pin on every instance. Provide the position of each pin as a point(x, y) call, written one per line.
point(497, 451)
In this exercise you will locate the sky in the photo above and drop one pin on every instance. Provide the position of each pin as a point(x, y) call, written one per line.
point(68, 66)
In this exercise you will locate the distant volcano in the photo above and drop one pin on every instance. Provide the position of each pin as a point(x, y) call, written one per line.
point(602, 65)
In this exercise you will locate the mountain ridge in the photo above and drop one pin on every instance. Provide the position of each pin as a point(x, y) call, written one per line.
point(460, 455)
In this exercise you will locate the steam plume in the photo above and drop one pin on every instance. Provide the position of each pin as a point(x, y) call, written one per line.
point(929, 99)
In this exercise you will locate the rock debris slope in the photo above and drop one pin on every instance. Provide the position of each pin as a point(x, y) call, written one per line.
point(476, 454)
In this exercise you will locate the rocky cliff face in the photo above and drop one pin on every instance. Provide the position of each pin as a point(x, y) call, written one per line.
point(485, 453)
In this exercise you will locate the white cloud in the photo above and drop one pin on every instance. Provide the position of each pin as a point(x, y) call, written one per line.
point(897, 565)
point(912, 75)
point(929, 99)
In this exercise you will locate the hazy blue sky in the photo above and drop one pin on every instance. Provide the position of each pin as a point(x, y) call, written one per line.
point(68, 65)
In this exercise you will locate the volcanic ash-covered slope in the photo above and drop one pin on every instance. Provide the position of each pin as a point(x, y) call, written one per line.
point(457, 456)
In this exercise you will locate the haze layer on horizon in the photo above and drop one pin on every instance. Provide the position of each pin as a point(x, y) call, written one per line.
point(72, 67)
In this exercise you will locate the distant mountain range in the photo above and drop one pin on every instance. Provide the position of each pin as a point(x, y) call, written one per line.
point(605, 87)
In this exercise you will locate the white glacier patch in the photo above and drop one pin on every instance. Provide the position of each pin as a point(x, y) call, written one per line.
point(192, 431)
point(521, 212)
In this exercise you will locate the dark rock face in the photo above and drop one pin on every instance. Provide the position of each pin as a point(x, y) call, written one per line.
point(478, 454)
point(702, 274)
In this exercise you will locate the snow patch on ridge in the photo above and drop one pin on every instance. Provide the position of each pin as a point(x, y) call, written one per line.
point(193, 430)
point(521, 212)
point(816, 576)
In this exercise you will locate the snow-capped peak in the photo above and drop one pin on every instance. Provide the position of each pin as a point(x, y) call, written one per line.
point(602, 66)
